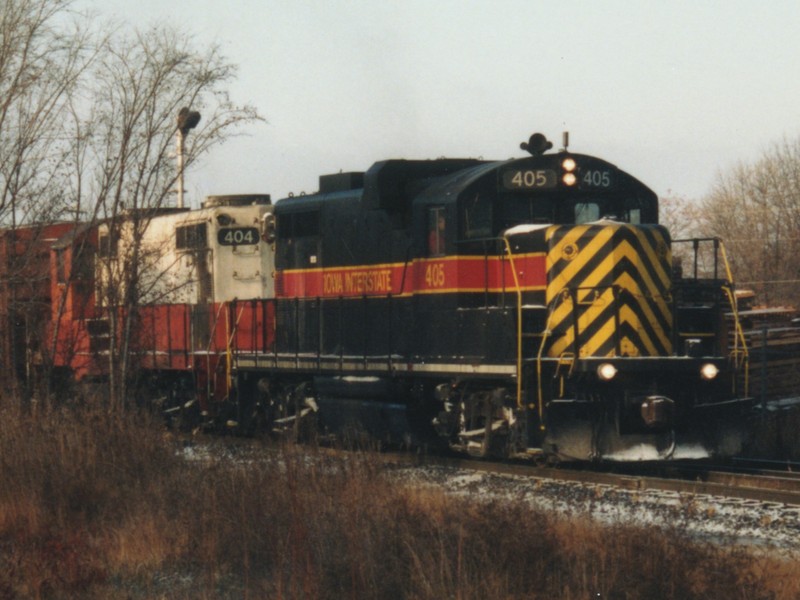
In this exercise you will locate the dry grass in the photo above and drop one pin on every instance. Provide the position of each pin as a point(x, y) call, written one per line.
point(94, 505)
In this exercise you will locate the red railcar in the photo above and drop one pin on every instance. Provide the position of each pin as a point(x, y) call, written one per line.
point(25, 299)
point(75, 327)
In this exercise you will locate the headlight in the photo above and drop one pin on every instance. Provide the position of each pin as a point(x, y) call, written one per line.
point(569, 177)
point(606, 371)
point(708, 371)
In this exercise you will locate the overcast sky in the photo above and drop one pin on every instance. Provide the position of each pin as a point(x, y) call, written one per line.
point(672, 92)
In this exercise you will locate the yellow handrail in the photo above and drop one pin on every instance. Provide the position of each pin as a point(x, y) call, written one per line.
point(547, 331)
point(519, 321)
point(737, 324)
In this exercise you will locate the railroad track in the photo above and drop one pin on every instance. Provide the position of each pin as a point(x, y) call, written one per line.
point(762, 511)
point(775, 487)
point(758, 485)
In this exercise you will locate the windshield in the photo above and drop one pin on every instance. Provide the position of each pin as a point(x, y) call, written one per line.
point(517, 210)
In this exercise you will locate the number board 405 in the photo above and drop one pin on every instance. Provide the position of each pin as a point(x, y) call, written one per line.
point(596, 178)
point(529, 179)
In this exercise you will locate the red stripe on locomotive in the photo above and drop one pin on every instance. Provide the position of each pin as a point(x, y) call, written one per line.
point(425, 276)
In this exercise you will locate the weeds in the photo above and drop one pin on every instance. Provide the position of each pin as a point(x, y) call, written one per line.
point(97, 505)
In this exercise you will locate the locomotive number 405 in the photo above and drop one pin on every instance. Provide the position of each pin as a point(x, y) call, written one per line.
point(529, 179)
point(596, 178)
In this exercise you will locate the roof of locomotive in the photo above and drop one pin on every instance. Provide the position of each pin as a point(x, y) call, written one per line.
point(388, 184)
point(393, 184)
point(460, 181)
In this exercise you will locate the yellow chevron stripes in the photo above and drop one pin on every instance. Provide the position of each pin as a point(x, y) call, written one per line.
point(564, 342)
point(556, 254)
point(608, 288)
point(648, 305)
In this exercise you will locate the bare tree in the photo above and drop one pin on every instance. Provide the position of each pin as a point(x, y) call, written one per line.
point(87, 132)
point(755, 208)
point(42, 57)
point(43, 54)
point(138, 89)
point(679, 215)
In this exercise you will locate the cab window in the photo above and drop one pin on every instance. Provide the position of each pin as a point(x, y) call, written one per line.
point(586, 212)
point(436, 231)
point(191, 237)
point(478, 217)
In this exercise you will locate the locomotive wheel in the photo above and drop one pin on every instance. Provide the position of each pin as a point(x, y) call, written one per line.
point(485, 425)
point(293, 413)
point(183, 417)
point(179, 406)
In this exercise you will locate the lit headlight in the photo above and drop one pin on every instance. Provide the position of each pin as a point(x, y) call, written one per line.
point(606, 371)
point(709, 371)
point(569, 177)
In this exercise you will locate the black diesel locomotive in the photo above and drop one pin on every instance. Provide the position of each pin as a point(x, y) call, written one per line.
point(507, 306)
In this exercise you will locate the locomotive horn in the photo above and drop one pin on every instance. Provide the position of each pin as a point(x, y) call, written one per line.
point(536, 145)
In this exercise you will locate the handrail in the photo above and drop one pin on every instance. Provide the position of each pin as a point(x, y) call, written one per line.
point(740, 355)
point(211, 338)
point(518, 291)
point(737, 323)
point(229, 338)
point(547, 331)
